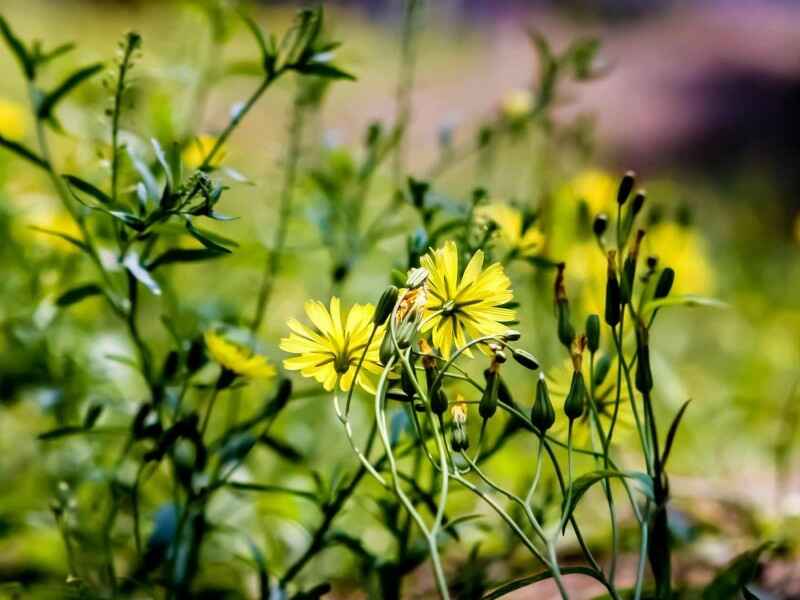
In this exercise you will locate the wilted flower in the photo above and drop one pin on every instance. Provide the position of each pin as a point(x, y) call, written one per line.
point(523, 241)
point(238, 359)
point(330, 352)
point(471, 305)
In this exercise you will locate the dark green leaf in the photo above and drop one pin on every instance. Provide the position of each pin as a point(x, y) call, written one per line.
point(49, 102)
point(61, 432)
point(92, 414)
point(673, 429)
point(183, 255)
point(281, 448)
point(203, 238)
point(273, 489)
point(583, 483)
point(77, 294)
point(327, 70)
point(737, 574)
point(129, 219)
point(46, 57)
point(24, 152)
point(18, 48)
point(88, 188)
point(237, 448)
point(256, 31)
point(66, 237)
point(261, 564)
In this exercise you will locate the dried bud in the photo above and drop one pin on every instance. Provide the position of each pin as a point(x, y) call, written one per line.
point(664, 285)
point(459, 410)
point(625, 187)
point(600, 224)
point(542, 414)
point(385, 305)
point(526, 359)
point(613, 295)
point(576, 398)
point(593, 333)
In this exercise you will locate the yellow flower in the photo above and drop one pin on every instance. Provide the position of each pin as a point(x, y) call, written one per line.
point(684, 250)
point(558, 382)
point(596, 188)
point(28, 229)
point(238, 359)
point(471, 305)
point(517, 105)
point(509, 222)
point(194, 154)
point(330, 352)
point(12, 120)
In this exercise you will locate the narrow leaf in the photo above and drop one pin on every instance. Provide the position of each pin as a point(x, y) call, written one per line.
point(24, 152)
point(18, 48)
point(688, 300)
point(77, 294)
point(583, 483)
point(129, 219)
point(64, 236)
point(737, 574)
point(131, 263)
point(273, 489)
point(673, 429)
point(326, 70)
point(49, 102)
point(204, 239)
point(88, 188)
point(183, 255)
point(256, 31)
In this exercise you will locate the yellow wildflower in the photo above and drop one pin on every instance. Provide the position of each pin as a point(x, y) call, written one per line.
point(509, 222)
point(194, 154)
point(330, 352)
point(238, 359)
point(517, 105)
point(684, 250)
point(596, 188)
point(471, 305)
point(12, 120)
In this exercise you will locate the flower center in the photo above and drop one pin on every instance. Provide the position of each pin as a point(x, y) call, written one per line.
point(341, 363)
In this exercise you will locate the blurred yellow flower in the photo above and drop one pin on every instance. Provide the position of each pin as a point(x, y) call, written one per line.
point(55, 221)
point(330, 352)
point(238, 359)
point(470, 305)
point(517, 105)
point(598, 189)
point(12, 120)
point(194, 153)
point(509, 221)
point(558, 382)
point(683, 249)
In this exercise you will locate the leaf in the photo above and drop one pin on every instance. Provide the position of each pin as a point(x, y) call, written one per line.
point(281, 448)
point(60, 432)
point(49, 102)
point(88, 188)
point(321, 69)
point(170, 162)
point(463, 519)
point(261, 563)
point(135, 268)
point(522, 582)
point(77, 294)
point(204, 238)
point(673, 429)
point(18, 48)
point(688, 300)
point(24, 152)
point(129, 219)
point(148, 179)
point(737, 574)
point(183, 255)
point(94, 412)
point(64, 236)
point(237, 448)
point(581, 485)
point(46, 57)
point(244, 486)
point(256, 31)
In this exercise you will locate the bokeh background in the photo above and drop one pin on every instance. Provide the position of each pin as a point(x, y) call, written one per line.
point(699, 98)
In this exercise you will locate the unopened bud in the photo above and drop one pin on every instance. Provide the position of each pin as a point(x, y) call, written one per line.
point(526, 359)
point(576, 398)
point(593, 333)
point(438, 401)
point(625, 187)
point(566, 333)
point(664, 284)
point(385, 305)
point(644, 377)
point(600, 224)
point(512, 335)
point(406, 333)
point(500, 357)
point(417, 277)
point(386, 351)
point(612, 313)
point(542, 414)
point(638, 202)
point(488, 404)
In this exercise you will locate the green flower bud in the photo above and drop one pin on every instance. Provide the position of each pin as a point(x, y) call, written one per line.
point(601, 369)
point(512, 335)
point(625, 187)
point(526, 359)
point(638, 202)
point(600, 224)
point(593, 333)
point(488, 404)
point(612, 313)
point(566, 332)
point(385, 305)
point(576, 397)
point(196, 357)
point(439, 402)
point(542, 414)
point(386, 351)
point(644, 377)
point(664, 284)
point(406, 333)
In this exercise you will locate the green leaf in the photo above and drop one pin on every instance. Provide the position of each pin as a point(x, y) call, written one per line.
point(148, 179)
point(88, 188)
point(49, 102)
point(261, 564)
point(170, 162)
point(581, 485)
point(24, 152)
point(61, 432)
point(204, 238)
point(77, 294)
point(129, 219)
point(66, 237)
point(673, 429)
point(689, 300)
point(321, 69)
point(256, 31)
point(135, 268)
point(522, 582)
point(18, 48)
point(273, 489)
point(46, 57)
point(94, 412)
point(737, 574)
point(183, 255)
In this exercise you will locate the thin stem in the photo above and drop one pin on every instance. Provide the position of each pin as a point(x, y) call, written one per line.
point(211, 401)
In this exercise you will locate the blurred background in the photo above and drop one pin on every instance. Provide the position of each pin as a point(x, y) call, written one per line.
point(699, 98)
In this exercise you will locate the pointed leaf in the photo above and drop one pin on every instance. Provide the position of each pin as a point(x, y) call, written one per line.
point(321, 69)
point(256, 31)
point(183, 255)
point(49, 102)
point(88, 188)
point(18, 48)
point(204, 238)
point(77, 294)
point(66, 237)
point(581, 485)
point(673, 429)
point(737, 574)
point(24, 152)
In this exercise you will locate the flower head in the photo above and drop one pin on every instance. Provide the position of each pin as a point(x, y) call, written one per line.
point(331, 350)
point(524, 241)
point(238, 359)
point(469, 305)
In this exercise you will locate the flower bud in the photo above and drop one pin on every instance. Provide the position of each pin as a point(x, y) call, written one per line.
point(593, 333)
point(601, 369)
point(644, 377)
point(385, 305)
point(638, 202)
point(526, 359)
point(600, 224)
point(196, 357)
point(438, 402)
point(512, 335)
point(500, 357)
point(406, 333)
point(407, 383)
point(664, 284)
point(576, 397)
point(488, 404)
point(386, 351)
point(566, 333)
point(625, 187)
point(542, 414)
point(612, 313)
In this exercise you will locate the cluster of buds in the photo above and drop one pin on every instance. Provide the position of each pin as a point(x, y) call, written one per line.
point(459, 438)
point(408, 312)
